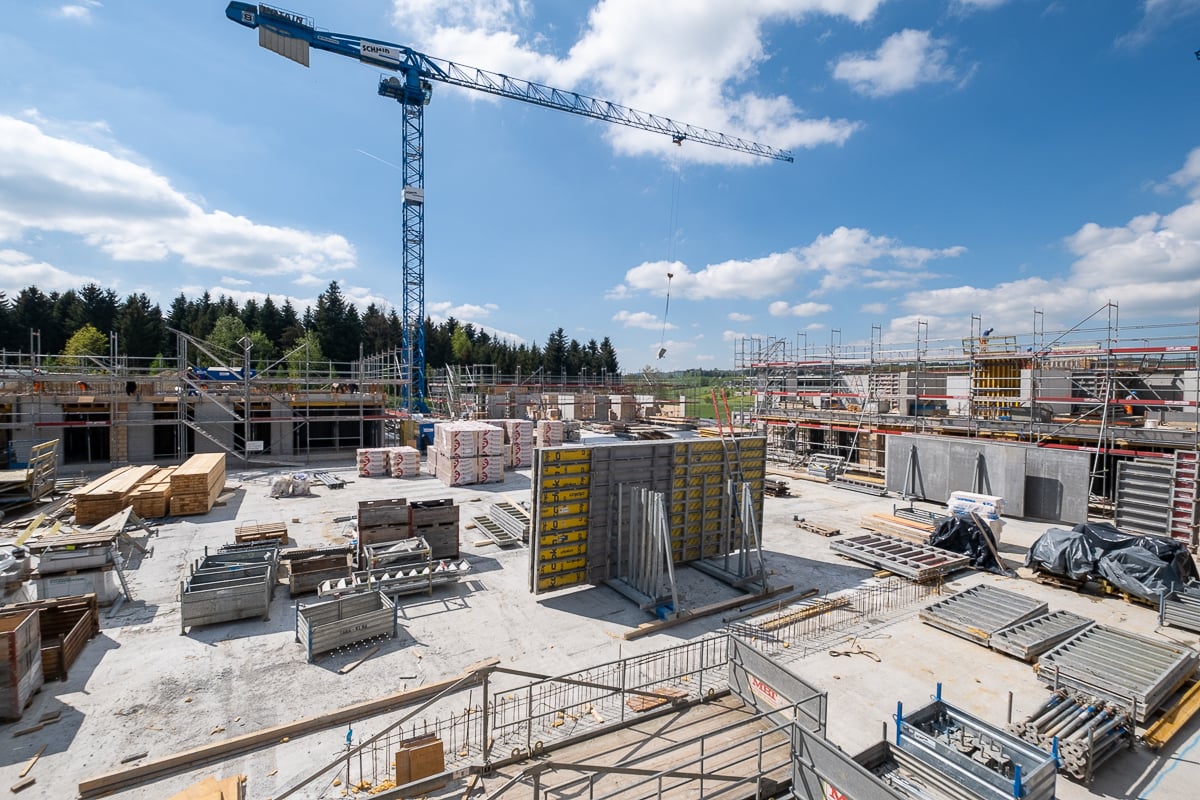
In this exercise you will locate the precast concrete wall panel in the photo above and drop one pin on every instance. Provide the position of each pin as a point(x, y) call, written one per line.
point(1034, 482)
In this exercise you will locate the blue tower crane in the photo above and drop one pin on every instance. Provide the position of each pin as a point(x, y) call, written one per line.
point(291, 35)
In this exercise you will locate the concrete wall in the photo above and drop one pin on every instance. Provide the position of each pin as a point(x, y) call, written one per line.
point(1034, 482)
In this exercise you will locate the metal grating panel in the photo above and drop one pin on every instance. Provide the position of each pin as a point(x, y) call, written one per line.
point(1143, 496)
point(910, 559)
point(981, 611)
point(1029, 639)
point(1181, 609)
point(1137, 672)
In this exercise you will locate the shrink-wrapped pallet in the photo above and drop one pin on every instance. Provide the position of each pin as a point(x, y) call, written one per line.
point(456, 439)
point(404, 462)
point(549, 432)
point(456, 471)
point(489, 469)
point(489, 440)
point(522, 454)
point(372, 461)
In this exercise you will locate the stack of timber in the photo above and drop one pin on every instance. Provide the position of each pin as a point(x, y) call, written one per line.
point(227, 586)
point(307, 569)
point(381, 521)
point(332, 624)
point(151, 498)
point(437, 522)
point(67, 623)
point(909, 529)
point(269, 533)
point(108, 494)
point(197, 483)
point(20, 662)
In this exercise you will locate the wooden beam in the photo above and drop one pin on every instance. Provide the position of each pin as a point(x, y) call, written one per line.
point(33, 761)
point(648, 628)
point(237, 745)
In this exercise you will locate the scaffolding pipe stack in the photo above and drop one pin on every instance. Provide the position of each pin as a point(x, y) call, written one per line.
point(1080, 732)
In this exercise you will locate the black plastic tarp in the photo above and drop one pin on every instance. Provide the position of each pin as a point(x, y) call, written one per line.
point(1143, 566)
point(962, 535)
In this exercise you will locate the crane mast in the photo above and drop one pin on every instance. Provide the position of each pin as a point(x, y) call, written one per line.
point(292, 36)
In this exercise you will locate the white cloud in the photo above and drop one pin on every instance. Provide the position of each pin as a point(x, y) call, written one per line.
point(20, 271)
point(641, 319)
point(985, 4)
point(873, 308)
point(736, 316)
point(80, 11)
point(131, 213)
point(684, 59)
point(904, 61)
point(781, 308)
point(461, 311)
point(843, 257)
point(1150, 267)
point(228, 280)
point(1157, 16)
point(732, 336)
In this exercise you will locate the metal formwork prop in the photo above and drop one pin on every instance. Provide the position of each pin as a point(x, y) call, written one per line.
point(981, 761)
point(1080, 732)
point(396, 581)
point(1135, 672)
point(647, 574)
point(910, 559)
point(1181, 608)
point(1029, 639)
point(981, 611)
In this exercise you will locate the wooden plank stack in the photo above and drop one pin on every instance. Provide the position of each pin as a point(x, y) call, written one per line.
point(108, 494)
point(151, 498)
point(907, 529)
point(267, 533)
point(197, 483)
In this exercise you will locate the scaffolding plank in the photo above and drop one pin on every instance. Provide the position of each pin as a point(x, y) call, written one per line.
point(910, 559)
point(978, 613)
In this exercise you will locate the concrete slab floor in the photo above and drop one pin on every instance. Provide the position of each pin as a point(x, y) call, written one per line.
point(142, 687)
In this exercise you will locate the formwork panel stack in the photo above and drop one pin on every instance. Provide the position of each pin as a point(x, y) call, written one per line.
point(578, 510)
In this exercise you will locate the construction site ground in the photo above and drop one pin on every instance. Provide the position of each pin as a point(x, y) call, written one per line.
point(142, 688)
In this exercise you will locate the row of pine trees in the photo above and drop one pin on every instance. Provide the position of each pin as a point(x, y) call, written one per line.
point(92, 320)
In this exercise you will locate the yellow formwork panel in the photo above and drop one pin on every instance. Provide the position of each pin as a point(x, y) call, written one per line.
point(561, 581)
point(551, 554)
point(557, 454)
point(561, 565)
point(564, 509)
point(564, 495)
point(555, 524)
point(564, 481)
point(556, 539)
point(566, 469)
point(705, 447)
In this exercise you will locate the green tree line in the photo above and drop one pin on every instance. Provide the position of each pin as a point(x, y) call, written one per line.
point(82, 322)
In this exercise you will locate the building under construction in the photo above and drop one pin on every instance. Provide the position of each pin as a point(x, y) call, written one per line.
point(1095, 415)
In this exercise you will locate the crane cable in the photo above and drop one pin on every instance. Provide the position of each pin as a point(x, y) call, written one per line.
point(672, 226)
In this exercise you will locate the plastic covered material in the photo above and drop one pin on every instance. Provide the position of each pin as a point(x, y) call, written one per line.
point(1143, 566)
point(962, 535)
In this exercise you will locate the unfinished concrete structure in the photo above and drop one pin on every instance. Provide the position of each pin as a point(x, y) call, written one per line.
point(1071, 408)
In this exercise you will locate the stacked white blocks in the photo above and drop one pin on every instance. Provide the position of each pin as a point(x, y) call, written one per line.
point(372, 462)
point(404, 462)
point(549, 432)
point(468, 452)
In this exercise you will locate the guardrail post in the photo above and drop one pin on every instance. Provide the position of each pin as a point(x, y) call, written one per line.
point(899, 720)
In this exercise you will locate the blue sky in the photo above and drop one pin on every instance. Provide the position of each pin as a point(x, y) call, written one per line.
point(953, 158)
